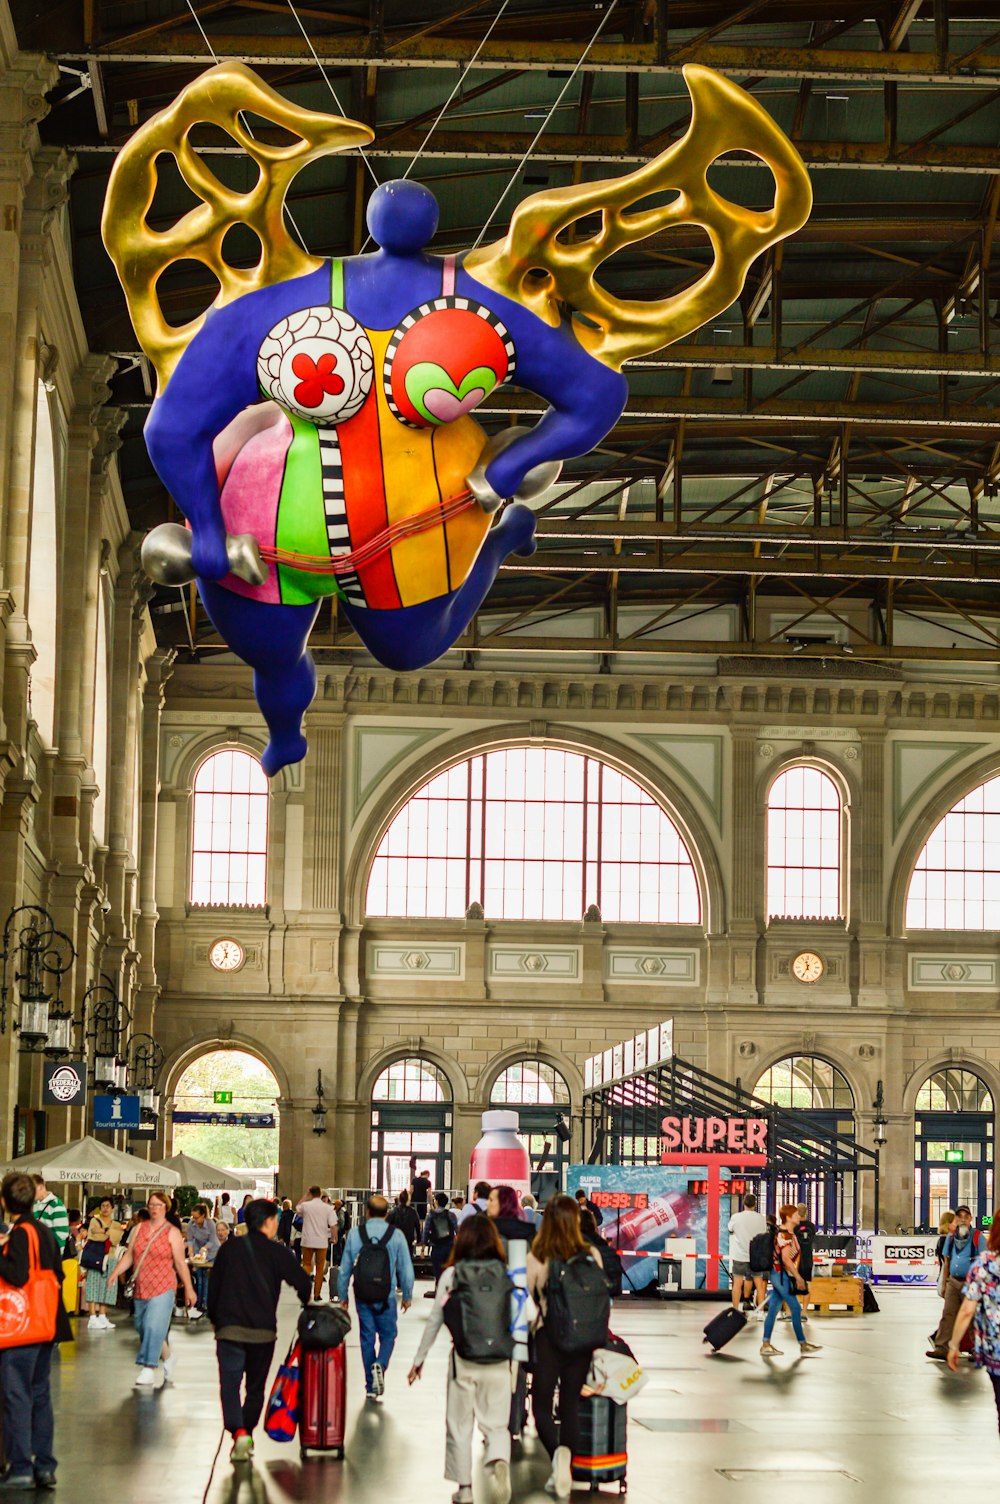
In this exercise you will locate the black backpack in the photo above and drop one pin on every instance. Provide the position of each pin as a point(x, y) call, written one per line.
point(441, 1228)
point(613, 1267)
point(579, 1305)
point(477, 1311)
point(762, 1253)
point(372, 1270)
point(323, 1327)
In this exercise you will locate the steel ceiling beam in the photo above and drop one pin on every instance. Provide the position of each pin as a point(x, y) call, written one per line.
point(829, 566)
point(906, 362)
point(956, 68)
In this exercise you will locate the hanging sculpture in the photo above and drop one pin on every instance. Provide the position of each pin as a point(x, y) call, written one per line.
point(315, 425)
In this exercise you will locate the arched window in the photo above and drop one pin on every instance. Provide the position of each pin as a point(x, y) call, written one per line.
point(956, 880)
point(43, 592)
point(808, 1083)
point(529, 1083)
point(410, 1126)
point(203, 1131)
point(953, 1146)
point(229, 830)
point(803, 845)
point(534, 833)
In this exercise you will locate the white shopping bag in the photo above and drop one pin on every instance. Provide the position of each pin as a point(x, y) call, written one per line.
point(615, 1375)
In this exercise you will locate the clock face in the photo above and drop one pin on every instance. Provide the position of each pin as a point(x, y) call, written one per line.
point(808, 967)
point(227, 955)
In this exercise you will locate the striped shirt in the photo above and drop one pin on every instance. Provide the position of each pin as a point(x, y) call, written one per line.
point(53, 1213)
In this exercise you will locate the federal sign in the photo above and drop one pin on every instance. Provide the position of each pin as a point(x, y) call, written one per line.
point(65, 1083)
point(116, 1112)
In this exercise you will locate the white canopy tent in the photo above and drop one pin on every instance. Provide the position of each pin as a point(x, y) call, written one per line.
point(88, 1161)
point(204, 1177)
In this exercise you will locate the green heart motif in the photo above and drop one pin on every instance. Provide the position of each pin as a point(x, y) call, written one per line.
point(436, 397)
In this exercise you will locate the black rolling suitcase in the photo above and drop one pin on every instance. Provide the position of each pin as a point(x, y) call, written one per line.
point(602, 1456)
point(724, 1327)
point(519, 1404)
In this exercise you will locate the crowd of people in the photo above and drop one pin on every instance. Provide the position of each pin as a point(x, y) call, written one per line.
point(499, 1274)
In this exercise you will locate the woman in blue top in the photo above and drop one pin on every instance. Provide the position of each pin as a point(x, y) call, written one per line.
point(981, 1304)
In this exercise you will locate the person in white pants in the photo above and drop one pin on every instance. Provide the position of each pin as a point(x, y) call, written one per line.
point(478, 1392)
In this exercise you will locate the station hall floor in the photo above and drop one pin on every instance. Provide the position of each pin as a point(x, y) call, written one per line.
point(868, 1413)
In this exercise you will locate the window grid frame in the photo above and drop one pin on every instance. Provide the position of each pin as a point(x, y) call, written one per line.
point(423, 1069)
point(806, 1080)
point(206, 811)
point(393, 888)
point(541, 1069)
point(831, 819)
point(963, 826)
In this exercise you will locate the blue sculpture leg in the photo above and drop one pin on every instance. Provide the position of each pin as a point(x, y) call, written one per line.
point(411, 637)
point(272, 640)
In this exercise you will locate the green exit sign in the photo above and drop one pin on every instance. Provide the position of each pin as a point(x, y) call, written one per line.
point(954, 1156)
point(224, 1099)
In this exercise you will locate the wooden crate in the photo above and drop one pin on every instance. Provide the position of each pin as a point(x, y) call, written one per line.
point(832, 1296)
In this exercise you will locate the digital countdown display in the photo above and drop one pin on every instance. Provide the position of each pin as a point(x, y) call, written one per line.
point(726, 1187)
point(619, 1201)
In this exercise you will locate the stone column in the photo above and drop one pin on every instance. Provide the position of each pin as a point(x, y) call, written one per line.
point(746, 920)
point(159, 667)
point(868, 871)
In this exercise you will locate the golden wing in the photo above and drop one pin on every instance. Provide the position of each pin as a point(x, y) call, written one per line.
point(723, 118)
point(142, 255)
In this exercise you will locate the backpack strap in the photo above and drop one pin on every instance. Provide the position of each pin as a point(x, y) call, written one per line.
point(363, 1235)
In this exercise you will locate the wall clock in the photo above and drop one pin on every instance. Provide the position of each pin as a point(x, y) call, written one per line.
point(227, 955)
point(808, 967)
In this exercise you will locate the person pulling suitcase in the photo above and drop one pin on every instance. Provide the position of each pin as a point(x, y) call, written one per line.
point(243, 1291)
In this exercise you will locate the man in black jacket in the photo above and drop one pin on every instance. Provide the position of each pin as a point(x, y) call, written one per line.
point(29, 1426)
point(243, 1291)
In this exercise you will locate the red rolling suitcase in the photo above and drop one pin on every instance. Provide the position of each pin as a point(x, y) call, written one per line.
point(323, 1401)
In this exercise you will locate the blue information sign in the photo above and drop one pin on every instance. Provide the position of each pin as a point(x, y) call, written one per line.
point(116, 1112)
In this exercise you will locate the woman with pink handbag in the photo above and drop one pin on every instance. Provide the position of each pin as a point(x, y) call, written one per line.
point(32, 1320)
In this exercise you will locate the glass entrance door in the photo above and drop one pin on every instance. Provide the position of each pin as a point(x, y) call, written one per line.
point(953, 1166)
point(406, 1139)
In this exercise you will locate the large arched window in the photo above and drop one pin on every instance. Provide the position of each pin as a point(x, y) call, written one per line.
point(43, 592)
point(534, 833)
point(803, 845)
point(229, 830)
point(530, 1083)
point(956, 880)
point(807, 1083)
point(410, 1126)
point(953, 1146)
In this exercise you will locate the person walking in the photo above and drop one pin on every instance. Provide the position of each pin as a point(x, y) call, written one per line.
point(558, 1240)
point(243, 1291)
point(980, 1308)
point(584, 1203)
point(203, 1245)
point(480, 1197)
point(103, 1236)
point(241, 1215)
point(50, 1210)
point(378, 1260)
point(785, 1280)
point(420, 1192)
point(744, 1226)
point(28, 1421)
point(404, 1216)
point(156, 1252)
point(318, 1220)
point(479, 1390)
point(958, 1253)
point(439, 1233)
point(226, 1213)
point(285, 1219)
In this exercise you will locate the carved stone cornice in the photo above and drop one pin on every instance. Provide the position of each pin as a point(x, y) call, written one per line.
point(44, 196)
point(108, 423)
point(91, 389)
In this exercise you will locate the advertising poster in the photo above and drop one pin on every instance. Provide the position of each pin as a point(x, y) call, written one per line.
point(645, 1205)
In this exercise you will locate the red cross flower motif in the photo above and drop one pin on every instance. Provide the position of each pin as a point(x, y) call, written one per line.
point(317, 378)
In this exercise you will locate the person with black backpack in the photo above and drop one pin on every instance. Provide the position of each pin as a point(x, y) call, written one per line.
point(566, 1280)
point(473, 1301)
point(405, 1218)
point(439, 1233)
point(377, 1257)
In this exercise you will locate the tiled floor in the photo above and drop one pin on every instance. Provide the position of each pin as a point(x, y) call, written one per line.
point(868, 1412)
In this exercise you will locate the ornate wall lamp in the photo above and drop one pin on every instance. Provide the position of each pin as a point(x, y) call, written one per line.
point(35, 958)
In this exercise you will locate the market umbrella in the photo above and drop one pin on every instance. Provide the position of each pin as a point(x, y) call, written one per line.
point(197, 1173)
point(88, 1160)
